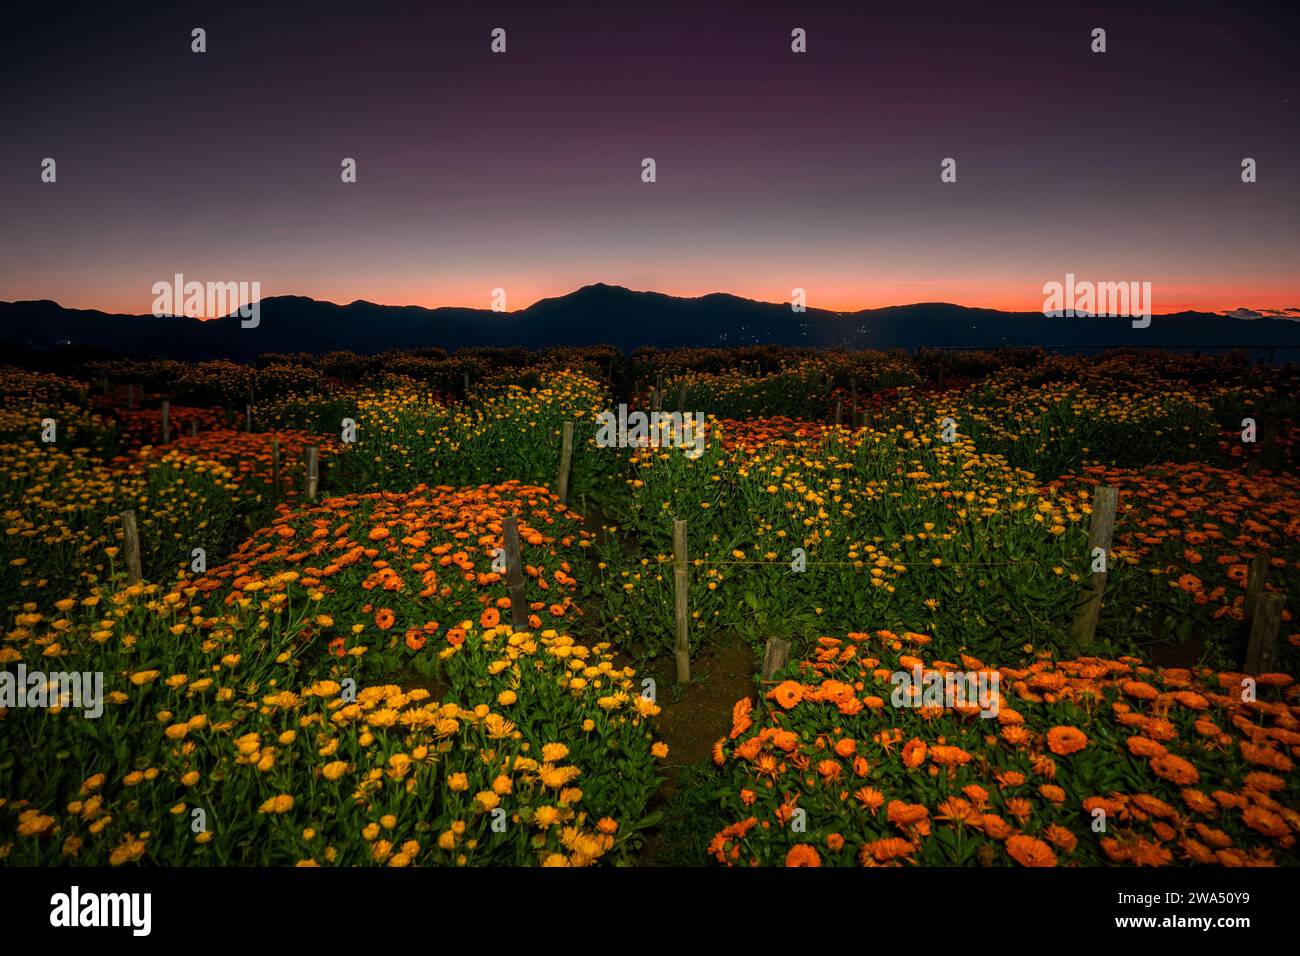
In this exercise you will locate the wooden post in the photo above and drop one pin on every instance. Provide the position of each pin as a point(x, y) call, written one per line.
point(131, 547)
point(194, 427)
point(130, 396)
point(853, 401)
point(467, 384)
point(1261, 652)
point(248, 421)
point(1101, 527)
point(1256, 578)
point(657, 400)
point(566, 458)
point(839, 410)
point(166, 421)
point(681, 398)
point(275, 469)
point(313, 472)
point(775, 656)
point(681, 583)
point(941, 375)
point(515, 573)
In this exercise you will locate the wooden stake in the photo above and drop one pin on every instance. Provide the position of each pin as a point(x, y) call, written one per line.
point(775, 656)
point(313, 472)
point(166, 422)
point(515, 573)
point(1101, 527)
point(1256, 578)
point(131, 547)
point(130, 396)
point(194, 427)
point(681, 610)
point(1261, 652)
point(566, 458)
point(681, 398)
point(248, 421)
point(853, 401)
point(839, 410)
point(275, 469)
point(467, 384)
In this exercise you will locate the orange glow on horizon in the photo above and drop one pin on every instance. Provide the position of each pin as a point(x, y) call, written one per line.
point(1007, 296)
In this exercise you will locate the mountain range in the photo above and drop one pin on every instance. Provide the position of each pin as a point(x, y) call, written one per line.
point(607, 314)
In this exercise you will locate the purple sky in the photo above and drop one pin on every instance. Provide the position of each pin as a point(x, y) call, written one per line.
point(775, 170)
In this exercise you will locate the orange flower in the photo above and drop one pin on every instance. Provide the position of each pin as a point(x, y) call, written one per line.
point(1063, 839)
point(415, 640)
point(1139, 689)
point(1064, 741)
point(384, 618)
point(905, 814)
point(787, 693)
point(1174, 769)
point(946, 756)
point(1269, 824)
point(870, 798)
point(882, 851)
point(1143, 747)
point(490, 617)
point(1030, 851)
point(740, 719)
point(995, 826)
point(914, 753)
point(803, 854)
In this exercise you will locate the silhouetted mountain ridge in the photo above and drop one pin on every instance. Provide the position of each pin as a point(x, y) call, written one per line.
point(601, 313)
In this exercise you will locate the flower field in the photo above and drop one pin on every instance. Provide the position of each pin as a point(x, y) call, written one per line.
point(370, 675)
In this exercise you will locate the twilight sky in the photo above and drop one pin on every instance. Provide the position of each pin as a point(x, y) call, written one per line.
point(775, 170)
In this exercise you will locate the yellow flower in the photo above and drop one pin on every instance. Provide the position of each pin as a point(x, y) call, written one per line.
point(546, 815)
point(278, 804)
point(660, 749)
point(488, 799)
point(553, 753)
point(332, 771)
point(458, 782)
